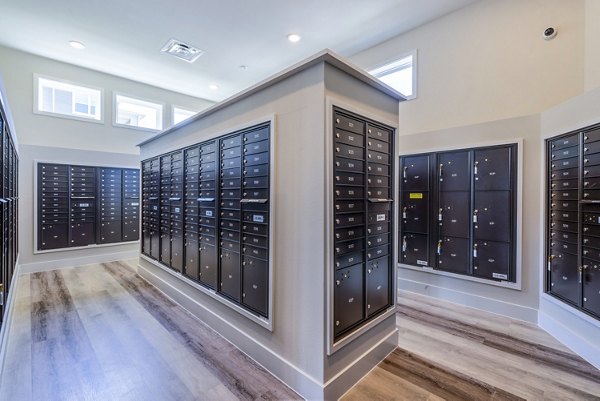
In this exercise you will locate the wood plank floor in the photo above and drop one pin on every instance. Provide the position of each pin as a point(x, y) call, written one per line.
point(100, 332)
point(451, 352)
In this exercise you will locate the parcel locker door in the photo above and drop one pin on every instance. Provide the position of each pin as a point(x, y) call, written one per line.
point(54, 236)
point(491, 260)
point(564, 276)
point(165, 248)
point(453, 255)
point(146, 241)
point(209, 266)
point(255, 284)
point(453, 171)
point(491, 169)
point(591, 286)
point(131, 230)
point(230, 274)
point(414, 249)
point(347, 298)
point(454, 214)
point(415, 173)
point(177, 252)
point(492, 216)
point(377, 285)
point(110, 231)
point(414, 211)
point(83, 234)
point(155, 244)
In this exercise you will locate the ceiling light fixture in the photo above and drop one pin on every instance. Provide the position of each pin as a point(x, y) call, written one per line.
point(243, 67)
point(213, 87)
point(77, 45)
point(294, 37)
point(182, 51)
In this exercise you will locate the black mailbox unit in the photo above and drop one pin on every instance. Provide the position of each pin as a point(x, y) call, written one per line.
point(86, 205)
point(573, 221)
point(459, 210)
point(214, 214)
point(9, 201)
point(363, 215)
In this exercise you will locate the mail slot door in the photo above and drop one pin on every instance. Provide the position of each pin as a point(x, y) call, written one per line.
point(564, 276)
point(377, 285)
point(453, 171)
point(146, 241)
point(348, 298)
point(564, 142)
point(591, 286)
point(414, 211)
point(453, 255)
point(415, 173)
point(165, 247)
point(230, 274)
point(492, 216)
point(192, 257)
point(453, 214)
point(491, 260)
point(491, 169)
point(414, 249)
point(255, 284)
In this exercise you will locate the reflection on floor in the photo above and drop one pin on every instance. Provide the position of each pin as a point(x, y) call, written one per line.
point(451, 352)
point(100, 332)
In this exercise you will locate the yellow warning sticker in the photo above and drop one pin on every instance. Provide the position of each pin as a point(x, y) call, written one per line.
point(416, 196)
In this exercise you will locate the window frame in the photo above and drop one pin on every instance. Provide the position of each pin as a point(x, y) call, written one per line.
point(414, 54)
point(133, 97)
point(36, 99)
point(173, 107)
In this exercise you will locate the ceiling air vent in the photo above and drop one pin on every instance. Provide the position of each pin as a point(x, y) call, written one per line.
point(181, 50)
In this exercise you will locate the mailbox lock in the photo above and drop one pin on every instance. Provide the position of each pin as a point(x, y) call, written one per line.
point(403, 171)
point(404, 212)
point(475, 168)
point(475, 215)
point(439, 247)
point(441, 169)
point(404, 244)
point(475, 250)
point(440, 214)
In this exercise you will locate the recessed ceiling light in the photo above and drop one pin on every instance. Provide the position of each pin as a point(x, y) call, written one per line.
point(243, 67)
point(183, 51)
point(294, 37)
point(77, 45)
point(213, 87)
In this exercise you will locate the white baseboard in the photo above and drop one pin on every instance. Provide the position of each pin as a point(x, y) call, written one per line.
point(496, 306)
point(577, 331)
point(307, 386)
point(63, 262)
point(9, 303)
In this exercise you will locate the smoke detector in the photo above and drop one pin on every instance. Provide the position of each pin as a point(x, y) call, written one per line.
point(183, 51)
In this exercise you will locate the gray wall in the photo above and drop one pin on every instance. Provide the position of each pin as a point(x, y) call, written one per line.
point(42, 130)
point(295, 350)
point(28, 259)
point(521, 304)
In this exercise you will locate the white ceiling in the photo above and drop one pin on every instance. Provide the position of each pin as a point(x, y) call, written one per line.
point(124, 37)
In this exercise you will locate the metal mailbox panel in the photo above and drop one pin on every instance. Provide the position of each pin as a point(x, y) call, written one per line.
point(493, 216)
point(565, 174)
point(569, 184)
point(55, 236)
point(377, 285)
point(564, 276)
point(415, 212)
point(590, 148)
point(347, 138)
point(351, 165)
point(83, 234)
point(231, 275)
point(562, 164)
point(349, 124)
point(348, 298)
point(571, 140)
point(209, 265)
point(563, 226)
point(177, 252)
point(561, 246)
point(492, 169)
point(415, 249)
point(491, 260)
point(110, 231)
point(591, 160)
point(453, 171)
point(454, 255)
point(453, 214)
point(565, 153)
point(255, 284)
point(415, 173)
point(591, 286)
